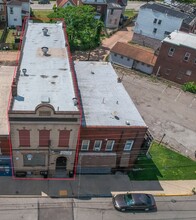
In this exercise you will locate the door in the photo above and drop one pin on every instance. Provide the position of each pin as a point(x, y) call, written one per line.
point(61, 163)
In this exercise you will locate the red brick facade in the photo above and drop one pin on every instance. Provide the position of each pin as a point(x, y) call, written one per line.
point(175, 67)
point(120, 135)
point(4, 145)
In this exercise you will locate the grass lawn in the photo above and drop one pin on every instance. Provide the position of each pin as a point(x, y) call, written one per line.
point(42, 14)
point(10, 37)
point(130, 13)
point(164, 164)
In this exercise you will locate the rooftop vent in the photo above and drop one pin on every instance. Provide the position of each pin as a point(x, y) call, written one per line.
point(45, 50)
point(127, 123)
point(24, 72)
point(75, 101)
point(45, 31)
point(92, 72)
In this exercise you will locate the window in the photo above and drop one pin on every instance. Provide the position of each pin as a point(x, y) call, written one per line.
point(97, 145)
point(112, 11)
point(115, 21)
point(64, 138)
point(155, 21)
point(195, 61)
point(160, 21)
point(115, 54)
point(98, 8)
point(187, 56)
point(24, 138)
point(188, 72)
point(85, 144)
point(35, 159)
point(167, 71)
point(109, 145)
point(11, 10)
point(171, 51)
point(167, 33)
point(155, 30)
point(128, 59)
point(128, 145)
point(44, 138)
point(121, 57)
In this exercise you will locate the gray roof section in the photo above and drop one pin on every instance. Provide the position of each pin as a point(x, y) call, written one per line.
point(182, 38)
point(49, 78)
point(114, 5)
point(95, 2)
point(105, 102)
point(166, 10)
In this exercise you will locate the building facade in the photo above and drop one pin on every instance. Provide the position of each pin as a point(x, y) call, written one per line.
point(153, 23)
point(2, 10)
point(17, 11)
point(177, 58)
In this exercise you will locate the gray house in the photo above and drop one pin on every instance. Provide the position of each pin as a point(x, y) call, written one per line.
point(132, 56)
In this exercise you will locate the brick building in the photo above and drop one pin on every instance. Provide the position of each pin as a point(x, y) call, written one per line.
point(177, 58)
point(63, 121)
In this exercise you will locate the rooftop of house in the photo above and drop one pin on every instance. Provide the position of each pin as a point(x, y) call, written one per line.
point(135, 52)
point(61, 3)
point(105, 101)
point(169, 10)
point(182, 39)
point(6, 76)
point(114, 6)
point(44, 76)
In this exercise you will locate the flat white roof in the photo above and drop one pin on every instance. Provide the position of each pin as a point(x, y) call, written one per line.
point(6, 75)
point(182, 38)
point(48, 79)
point(105, 102)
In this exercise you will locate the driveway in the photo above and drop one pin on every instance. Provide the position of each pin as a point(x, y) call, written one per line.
point(166, 109)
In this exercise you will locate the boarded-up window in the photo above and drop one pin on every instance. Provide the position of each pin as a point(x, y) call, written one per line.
point(36, 159)
point(24, 138)
point(44, 138)
point(64, 138)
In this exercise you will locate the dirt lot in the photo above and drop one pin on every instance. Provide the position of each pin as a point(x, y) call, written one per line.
point(8, 58)
point(165, 108)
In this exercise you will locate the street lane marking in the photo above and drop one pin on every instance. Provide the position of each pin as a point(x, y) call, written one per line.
point(178, 96)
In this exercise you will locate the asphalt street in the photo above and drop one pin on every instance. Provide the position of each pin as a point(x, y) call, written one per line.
point(168, 208)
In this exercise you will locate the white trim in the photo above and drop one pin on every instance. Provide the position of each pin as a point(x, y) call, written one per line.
point(99, 147)
point(128, 145)
point(87, 144)
point(109, 141)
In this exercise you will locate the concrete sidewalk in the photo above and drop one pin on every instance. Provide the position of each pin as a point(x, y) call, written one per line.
point(92, 186)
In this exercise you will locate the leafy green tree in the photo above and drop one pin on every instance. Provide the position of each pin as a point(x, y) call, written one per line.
point(82, 28)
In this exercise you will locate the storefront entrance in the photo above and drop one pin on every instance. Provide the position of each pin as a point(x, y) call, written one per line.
point(61, 165)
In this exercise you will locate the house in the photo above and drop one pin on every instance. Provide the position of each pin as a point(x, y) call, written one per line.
point(153, 23)
point(60, 116)
point(177, 58)
point(17, 10)
point(110, 10)
point(132, 56)
point(2, 11)
point(65, 3)
point(112, 130)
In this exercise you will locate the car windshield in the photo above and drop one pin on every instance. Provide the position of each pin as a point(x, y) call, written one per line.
point(129, 199)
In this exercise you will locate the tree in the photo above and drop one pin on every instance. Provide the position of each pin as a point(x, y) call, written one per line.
point(82, 28)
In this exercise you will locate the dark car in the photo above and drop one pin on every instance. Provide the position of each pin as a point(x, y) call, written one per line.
point(134, 201)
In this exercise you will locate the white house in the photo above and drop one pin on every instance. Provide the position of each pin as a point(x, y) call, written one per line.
point(16, 11)
point(156, 21)
point(113, 15)
point(132, 56)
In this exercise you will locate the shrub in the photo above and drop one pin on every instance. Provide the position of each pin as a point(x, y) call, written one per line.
point(190, 87)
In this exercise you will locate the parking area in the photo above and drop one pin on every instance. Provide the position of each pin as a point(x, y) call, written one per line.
point(167, 110)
